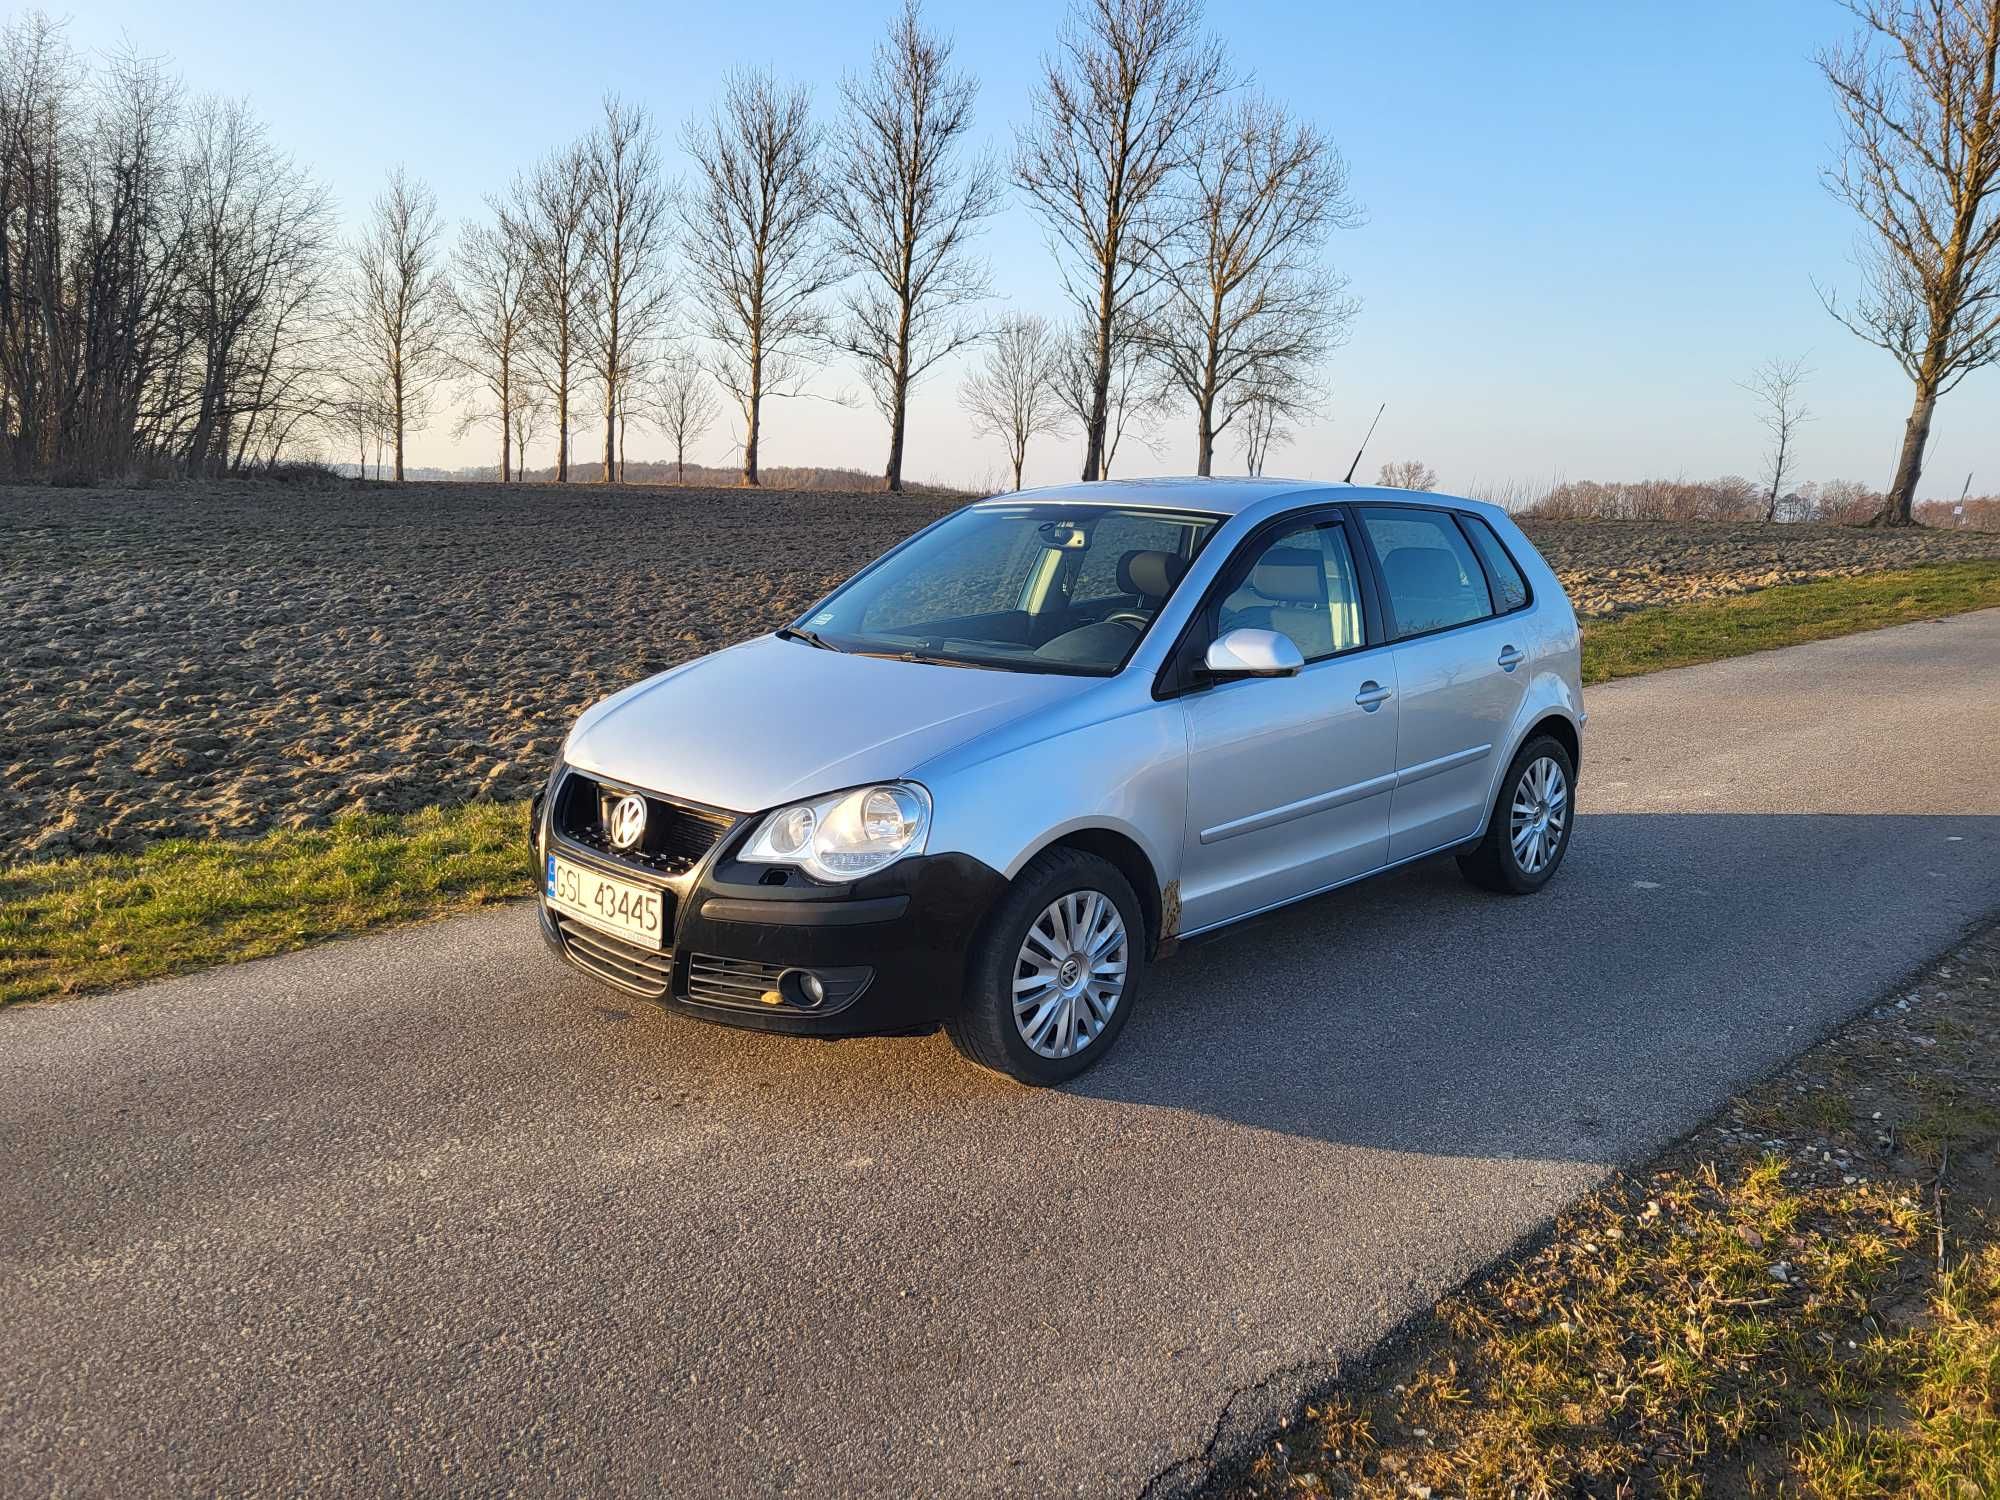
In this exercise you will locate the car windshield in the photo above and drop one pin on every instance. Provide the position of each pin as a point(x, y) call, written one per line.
point(1025, 588)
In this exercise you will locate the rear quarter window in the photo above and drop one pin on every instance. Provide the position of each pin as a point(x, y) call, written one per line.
point(1509, 587)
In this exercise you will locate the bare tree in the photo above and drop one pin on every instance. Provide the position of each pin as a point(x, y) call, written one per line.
point(750, 234)
point(255, 233)
point(490, 314)
point(1920, 121)
point(548, 215)
point(1115, 120)
point(627, 238)
point(1248, 309)
point(1136, 394)
point(527, 413)
point(1013, 395)
point(1263, 428)
point(360, 413)
point(680, 401)
point(403, 311)
point(1408, 474)
point(904, 206)
point(1777, 384)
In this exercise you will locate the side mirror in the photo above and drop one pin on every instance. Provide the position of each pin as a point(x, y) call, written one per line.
point(1252, 653)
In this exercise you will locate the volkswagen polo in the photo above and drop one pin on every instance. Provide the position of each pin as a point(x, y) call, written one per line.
point(989, 780)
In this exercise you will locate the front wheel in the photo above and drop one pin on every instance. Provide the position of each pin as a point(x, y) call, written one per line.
point(1528, 833)
point(1056, 971)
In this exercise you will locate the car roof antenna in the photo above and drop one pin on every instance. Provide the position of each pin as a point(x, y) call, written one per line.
point(1364, 444)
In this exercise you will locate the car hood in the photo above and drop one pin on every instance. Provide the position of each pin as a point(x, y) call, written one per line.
point(772, 721)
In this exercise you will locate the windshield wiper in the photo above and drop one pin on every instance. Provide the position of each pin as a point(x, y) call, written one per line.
point(973, 664)
point(810, 637)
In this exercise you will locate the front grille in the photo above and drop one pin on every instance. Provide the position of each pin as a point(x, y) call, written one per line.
point(678, 835)
point(642, 971)
point(730, 981)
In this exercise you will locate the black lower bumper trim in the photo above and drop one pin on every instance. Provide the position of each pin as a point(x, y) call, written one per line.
point(806, 913)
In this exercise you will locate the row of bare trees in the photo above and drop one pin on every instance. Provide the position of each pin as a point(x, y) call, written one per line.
point(602, 286)
point(171, 290)
point(1189, 215)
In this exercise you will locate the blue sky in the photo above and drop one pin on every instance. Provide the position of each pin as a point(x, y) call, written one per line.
point(1585, 222)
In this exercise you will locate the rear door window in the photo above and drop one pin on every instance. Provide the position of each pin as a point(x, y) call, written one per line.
point(1433, 578)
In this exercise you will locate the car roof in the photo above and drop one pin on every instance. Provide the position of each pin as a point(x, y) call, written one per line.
point(1229, 495)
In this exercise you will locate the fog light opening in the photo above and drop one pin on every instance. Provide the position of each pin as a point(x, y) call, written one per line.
point(811, 991)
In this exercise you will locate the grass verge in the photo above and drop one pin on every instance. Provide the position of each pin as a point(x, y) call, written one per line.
point(1803, 1299)
point(102, 920)
point(1682, 635)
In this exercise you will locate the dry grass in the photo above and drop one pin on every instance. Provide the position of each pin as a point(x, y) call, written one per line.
point(1804, 1300)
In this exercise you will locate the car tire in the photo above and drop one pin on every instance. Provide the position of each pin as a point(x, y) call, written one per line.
point(985, 1030)
point(1509, 858)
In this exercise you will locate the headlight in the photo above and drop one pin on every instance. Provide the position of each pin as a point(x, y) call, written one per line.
point(846, 835)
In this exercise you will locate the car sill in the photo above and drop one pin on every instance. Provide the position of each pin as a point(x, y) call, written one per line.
point(1215, 927)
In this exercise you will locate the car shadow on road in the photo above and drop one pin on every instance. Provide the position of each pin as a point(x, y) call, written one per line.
point(1674, 957)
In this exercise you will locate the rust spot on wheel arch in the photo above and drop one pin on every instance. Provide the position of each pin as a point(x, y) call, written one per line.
point(1170, 919)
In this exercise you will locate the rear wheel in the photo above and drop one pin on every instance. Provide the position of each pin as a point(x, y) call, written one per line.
point(1528, 832)
point(1055, 973)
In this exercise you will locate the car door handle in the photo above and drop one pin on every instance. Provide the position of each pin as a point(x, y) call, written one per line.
point(1372, 695)
point(1511, 657)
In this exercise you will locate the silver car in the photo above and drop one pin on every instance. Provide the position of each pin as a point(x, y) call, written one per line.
point(994, 776)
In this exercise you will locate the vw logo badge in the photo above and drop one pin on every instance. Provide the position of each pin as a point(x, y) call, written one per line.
point(628, 822)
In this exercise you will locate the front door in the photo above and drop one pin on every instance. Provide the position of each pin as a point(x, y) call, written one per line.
point(1458, 676)
point(1289, 778)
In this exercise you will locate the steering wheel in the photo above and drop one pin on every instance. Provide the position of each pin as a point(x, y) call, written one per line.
point(1130, 617)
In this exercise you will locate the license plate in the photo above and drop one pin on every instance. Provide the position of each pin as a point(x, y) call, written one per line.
point(618, 906)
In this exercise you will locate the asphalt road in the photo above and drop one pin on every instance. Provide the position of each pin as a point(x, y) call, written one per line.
point(426, 1212)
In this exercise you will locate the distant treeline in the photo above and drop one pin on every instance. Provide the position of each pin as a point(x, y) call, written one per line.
point(1843, 502)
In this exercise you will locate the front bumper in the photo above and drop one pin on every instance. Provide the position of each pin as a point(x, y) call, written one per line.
point(890, 949)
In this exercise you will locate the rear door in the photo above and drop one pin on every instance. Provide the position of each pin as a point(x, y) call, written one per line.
point(1459, 681)
point(1288, 777)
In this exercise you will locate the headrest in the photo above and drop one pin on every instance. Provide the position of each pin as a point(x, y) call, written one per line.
point(1150, 574)
point(1293, 575)
point(1430, 572)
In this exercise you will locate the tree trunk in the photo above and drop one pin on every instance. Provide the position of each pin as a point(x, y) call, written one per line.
point(1204, 406)
point(1096, 464)
point(610, 440)
point(752, 410)
point(399, 427)
point(1902, 494)
point(562, 425)
point(893, 477)
point(1017, 472)
point(899, 398)
point(506, 417)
